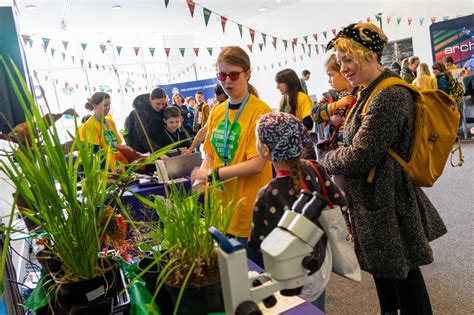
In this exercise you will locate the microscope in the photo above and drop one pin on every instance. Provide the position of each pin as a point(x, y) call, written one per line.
point(286, 254)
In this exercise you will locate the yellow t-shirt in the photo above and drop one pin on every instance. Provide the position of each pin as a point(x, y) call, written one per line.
point(452, 67)
point(303, 106)
point(426, 82)
point(104, 135)
point(242, 147)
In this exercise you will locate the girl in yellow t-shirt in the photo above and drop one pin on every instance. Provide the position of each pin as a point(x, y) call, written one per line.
point(294, 100)
point(424, 80)
point(100, 129)
point(230, 144)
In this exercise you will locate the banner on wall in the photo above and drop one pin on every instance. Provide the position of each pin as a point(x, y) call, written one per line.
point(190, 88)
point(454, 38)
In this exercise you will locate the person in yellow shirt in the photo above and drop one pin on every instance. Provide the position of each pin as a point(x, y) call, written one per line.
point(100, 129)
point(294, 100)
point(424, 80)
point(449, 63)
point(230, 144)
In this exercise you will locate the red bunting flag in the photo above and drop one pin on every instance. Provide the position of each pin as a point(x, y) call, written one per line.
point(65, 44)
point(191, 6)
point(433, 19)
point(301, 57)
point(294, 59)
point(334, 31)
point(315, 37)
point(249, 47)
point(252, 34)
point(196, 51)
point(279, 64)
point(410, 19)
point(274, 42)
point(97, 67)
point(136, 49)
point(389, 18)
point(25, 38)
point(295, 40)
point(223, 22)
point(167, 51)
point(102, 48)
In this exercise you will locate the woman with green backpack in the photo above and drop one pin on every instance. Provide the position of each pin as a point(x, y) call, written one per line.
point(393, 220)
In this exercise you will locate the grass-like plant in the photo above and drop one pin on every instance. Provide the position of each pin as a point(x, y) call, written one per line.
point(48, 183)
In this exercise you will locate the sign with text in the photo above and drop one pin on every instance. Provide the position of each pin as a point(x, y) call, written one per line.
point(190, 88)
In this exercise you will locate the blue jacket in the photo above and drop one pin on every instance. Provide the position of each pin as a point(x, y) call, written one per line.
point(442, 82)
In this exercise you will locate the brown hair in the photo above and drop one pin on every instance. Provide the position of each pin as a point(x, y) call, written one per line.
point(331, 64)
point(295, 173)
point(180, 95)
point(293, 84)
point(158, 93)
point(358, 51)
point(236, 56)
point(413, 59)
point(439, 66)
point(95, 100)
point(171, 112)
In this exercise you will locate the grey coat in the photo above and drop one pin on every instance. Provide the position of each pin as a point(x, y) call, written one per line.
point(393, 220)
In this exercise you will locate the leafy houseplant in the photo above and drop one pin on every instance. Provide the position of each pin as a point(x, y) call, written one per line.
point(190, 259)
point(76, 220)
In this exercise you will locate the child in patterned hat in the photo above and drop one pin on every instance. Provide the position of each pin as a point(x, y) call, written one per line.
point(281, 138)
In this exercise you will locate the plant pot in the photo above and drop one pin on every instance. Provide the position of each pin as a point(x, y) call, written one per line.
point(201, 300)
point(81, 292)
point(49, 263)
point(104, 306)
point(151, 277)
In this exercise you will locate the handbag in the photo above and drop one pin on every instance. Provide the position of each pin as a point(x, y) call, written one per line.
point(339, 233)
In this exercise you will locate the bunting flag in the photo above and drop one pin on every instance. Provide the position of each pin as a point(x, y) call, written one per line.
point(421, 20)
point(119, 49)
point(274, 42)
point(152, 51)
point(166, 3)
point(410, 19)
point(52, 52)
point(317, 49)
point(250, 47)
point(102, 48)
point(207, 15)
point(433, 19)
point(295, 40)
point(45, 43)
point(293, 44)
point(279, 64)
point(252, 34)
point(285, 43)
point(286, 62)
point(97, 67)
point(240, 29)
point(304, 49)
point(323, 48)
point(46, 77)
point(301, 57)
point(378, 17)
point(223, 22)
point(209, 50)
point(90, 65)
point(191, 6)
point(305, 39)
point(260, 46)
point(264, 37)
point(25, 38)
point(82, 63)
point(315, 37)
point(325, 34)
point(334, 31)
point(64, 56)
point(399, 19)
point(83, 45)
point(182, 50)
point(196, 51)
point(445, 18)
point(73, 59)
point(65, 44)
point(167, 51)
point(309, 50)
point(294, 59)
point(136, 49)
point(389, 18)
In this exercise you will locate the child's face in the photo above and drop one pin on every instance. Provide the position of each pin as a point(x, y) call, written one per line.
point(261, 149)
point(172, 123)
point(192, 102)
point(337, 80)
point(282, 87)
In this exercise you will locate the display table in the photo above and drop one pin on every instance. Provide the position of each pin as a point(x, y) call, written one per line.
point(305, 308)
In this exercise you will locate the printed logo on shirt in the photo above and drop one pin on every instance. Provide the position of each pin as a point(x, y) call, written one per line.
point(110, 138)
point(217, 141)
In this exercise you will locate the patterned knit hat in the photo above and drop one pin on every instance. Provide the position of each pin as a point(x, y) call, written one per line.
point(284, 134)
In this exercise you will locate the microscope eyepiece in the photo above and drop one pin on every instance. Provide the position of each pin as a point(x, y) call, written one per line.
point(303, 198)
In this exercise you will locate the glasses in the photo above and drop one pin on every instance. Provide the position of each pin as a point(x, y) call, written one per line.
point(234, 75)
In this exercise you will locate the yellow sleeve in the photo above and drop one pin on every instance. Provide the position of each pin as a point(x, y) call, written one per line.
point(89, 132)
point(251, 145)
point(207, 147)
point(304, 106)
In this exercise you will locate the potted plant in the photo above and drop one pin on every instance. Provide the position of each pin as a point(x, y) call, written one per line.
point(189, 267)
point(76, 220)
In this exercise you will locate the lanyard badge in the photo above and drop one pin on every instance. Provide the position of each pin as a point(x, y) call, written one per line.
point(227, 129)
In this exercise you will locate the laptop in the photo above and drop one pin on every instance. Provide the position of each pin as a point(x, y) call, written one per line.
point(177, 166)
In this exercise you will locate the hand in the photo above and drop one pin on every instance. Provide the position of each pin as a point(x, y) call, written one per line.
point(164, 157)
point(185, 151)
point(199, 179)
point(345, 101)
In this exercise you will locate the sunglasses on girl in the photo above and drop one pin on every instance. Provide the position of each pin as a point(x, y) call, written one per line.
point(234, 75)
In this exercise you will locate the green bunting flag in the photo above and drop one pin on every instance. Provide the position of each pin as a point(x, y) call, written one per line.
point(240, 29)
point(421, 20)
point(209, 50)
point(378, 17)
point(64, 56)
point(309, 50)
point(304, 49)
point(264, 37)
point(325, 34)
point(399, 19)
point(119, 49)
point(260, 46)
point(285, 43)
point(182, 50)
point(207, 15)
point(305, 39)
point(45, 43)
point(83, 45)
point(445, 18)
point(152, 51)
point(52, 52)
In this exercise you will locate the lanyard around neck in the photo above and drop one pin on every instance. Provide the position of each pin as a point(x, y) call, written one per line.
point(226, 125)
point(171, 138)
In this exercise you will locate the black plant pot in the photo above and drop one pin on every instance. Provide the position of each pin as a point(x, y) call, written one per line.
point(81, 292)
point(151, 277)
point(201, 300)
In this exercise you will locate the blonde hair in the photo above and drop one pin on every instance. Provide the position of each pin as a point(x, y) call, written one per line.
point(331, 63)
point(357, 51)
point(413, 59)
point(404, 63)
point(424, 70)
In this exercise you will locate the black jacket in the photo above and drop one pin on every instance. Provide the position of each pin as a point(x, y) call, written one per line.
point(153, 125)
point(166, 138)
